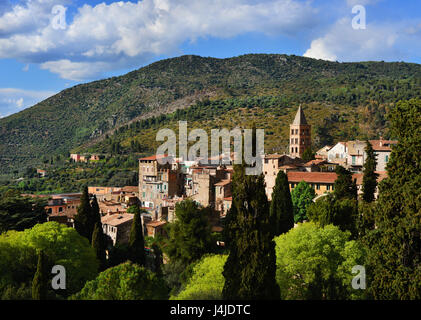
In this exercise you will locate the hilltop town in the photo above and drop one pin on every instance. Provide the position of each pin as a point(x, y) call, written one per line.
point(162, 186)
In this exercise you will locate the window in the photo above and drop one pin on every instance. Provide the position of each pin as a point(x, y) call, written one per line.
point(296, 131)
point(328, 187)
point(292, 150)
point(296, 140)
point(296, 149)
point(353, 160)
point(292, 131)
point(318, 186)
point(267, 161)
point(60, 209)
point(386, 159)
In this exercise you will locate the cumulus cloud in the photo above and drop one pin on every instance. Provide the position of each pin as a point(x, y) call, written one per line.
point(124, 34)
point(13, 100)
point(377, 42)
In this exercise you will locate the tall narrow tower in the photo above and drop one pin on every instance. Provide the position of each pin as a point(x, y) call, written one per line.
point(300, 134)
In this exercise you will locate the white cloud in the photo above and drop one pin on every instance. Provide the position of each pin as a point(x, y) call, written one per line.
point(377, 42)
point(352, 3)
point(124, 34)
point(13, 100)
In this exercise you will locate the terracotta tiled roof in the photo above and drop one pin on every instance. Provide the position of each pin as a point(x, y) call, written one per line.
point(116, 219)
point(314, 162)
point(312, 177)
point(228, 198)
point(327, 177)
point(382, 145)
point(154, 157)
point(273, 156)
point(130, 189)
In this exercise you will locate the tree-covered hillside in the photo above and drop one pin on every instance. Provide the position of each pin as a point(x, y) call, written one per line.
point(87, 113)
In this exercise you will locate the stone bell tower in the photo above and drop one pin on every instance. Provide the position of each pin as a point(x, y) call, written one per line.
point(300, 134)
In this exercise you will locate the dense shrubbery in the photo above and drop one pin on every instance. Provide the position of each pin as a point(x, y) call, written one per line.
point(62, 246)
point(126, 281)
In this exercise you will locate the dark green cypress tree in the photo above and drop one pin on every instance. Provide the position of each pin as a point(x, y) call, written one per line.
point(394, 263)
point(370, 176)
point(136, 242)
point(281, 209)
point(158, 261)
point(40, 281)
point(344, 186)
point(84, 221)
point(98, 243)
point(96, 216)
point(251, 265)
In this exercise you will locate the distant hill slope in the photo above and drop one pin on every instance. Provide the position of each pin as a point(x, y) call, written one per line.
point(83, 114)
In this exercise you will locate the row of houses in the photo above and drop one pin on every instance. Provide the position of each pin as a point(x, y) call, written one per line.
point(352, 155)
point(161, 186)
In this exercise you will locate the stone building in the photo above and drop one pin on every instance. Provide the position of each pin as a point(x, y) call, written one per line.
point(117, 227)
point(300, 134)
point(158, 182)
point(273, 163)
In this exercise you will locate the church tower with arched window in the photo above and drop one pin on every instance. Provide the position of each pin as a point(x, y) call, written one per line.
point(300, 134)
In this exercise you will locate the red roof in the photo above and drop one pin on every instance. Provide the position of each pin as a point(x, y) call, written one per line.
point(154, 157)
point(382, 145)
point(327, 177)
point(314, 162)
point(312, 177)
point(228, 198)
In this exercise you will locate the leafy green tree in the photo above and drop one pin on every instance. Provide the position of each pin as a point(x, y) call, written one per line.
point(86, 216)
point(136, 241)
point(302, 196)
point(62, 245)
point(98, 243)
point(281, 209)
point(40, 282)
point(83, 217)
point(20, 213)
point(394, 264)
point(190, 235)
point(127, 281)
point(339, 212)
point(370, 176)
point(308, 154)
point(206, 281)
point(344, 186)
point(250, 268)
point(316, 263)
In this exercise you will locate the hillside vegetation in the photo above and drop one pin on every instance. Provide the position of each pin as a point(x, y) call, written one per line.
point(341, 100)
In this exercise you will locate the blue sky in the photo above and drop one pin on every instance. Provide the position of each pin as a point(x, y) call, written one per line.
point(40, 55)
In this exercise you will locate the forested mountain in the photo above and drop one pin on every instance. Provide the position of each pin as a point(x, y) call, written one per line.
point(343, 100)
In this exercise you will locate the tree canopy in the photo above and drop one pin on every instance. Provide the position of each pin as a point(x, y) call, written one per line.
point(127, 281)
point(206, 281)
point(316, 263)
point(61, 245)
point(302, 196)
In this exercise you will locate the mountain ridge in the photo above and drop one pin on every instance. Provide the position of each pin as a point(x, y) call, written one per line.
point(86, 112)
